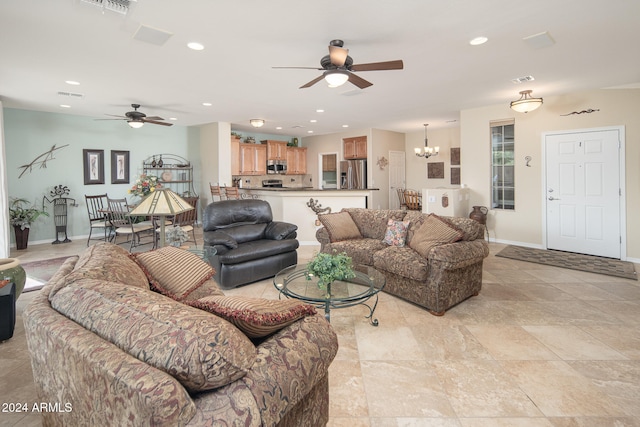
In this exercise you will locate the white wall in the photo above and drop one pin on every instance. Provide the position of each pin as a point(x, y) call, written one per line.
point(445, 138)
point(616, 108)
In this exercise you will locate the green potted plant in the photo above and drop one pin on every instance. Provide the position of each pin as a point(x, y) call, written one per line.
point(21, 216)
point(330, 267)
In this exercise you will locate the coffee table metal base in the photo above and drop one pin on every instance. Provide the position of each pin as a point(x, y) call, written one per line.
point(293, 282)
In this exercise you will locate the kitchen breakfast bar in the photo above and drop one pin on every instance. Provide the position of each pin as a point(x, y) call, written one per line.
point(293, 204)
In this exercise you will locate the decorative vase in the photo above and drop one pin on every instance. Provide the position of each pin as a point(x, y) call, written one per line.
point(160, 162)
point(153, 162)
point(22, 237)
point(11, 269)
point(479, 214)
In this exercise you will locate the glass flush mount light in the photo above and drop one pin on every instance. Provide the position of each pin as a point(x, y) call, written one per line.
point(256, 123)
point(427, 151)
point(336, 78)
point(526, 103)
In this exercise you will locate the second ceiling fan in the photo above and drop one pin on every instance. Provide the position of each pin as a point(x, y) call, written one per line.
point(339, 68)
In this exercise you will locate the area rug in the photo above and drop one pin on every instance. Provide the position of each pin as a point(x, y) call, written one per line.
point(40, 272)
point(588, 263)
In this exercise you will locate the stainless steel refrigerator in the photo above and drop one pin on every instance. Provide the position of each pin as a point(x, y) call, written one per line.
point(353, 174)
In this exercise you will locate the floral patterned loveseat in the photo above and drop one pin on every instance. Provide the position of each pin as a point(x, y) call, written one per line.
point(436, 264)
point(111, 351)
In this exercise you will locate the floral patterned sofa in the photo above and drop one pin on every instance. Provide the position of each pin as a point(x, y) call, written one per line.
point(432, 261)
point(111, 349)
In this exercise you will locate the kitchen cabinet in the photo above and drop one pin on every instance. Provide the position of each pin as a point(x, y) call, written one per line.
point(355, 148)
point(253, 159)
point(173, 172)
point(296, 160)
point(276, 150)
point(235, 156)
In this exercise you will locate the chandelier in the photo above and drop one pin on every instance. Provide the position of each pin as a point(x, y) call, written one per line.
point(427, 151)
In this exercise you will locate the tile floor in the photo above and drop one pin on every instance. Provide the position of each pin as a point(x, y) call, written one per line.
point(540, 346)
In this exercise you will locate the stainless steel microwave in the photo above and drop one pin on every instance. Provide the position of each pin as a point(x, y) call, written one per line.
point(276, 166)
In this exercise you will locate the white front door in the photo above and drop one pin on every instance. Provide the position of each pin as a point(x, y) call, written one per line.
point(396, 177)
point(583, 192)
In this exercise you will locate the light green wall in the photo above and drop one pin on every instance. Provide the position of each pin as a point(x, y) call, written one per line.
point(28, 134)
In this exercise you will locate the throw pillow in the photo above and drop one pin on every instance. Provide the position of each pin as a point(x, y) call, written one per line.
point(256, 317)
point(433, 232)
point(340, 226)
point(174, 272)
point(396, 234)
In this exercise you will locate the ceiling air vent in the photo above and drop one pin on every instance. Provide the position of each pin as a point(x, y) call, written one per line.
point(71, 94)
point(523, 79)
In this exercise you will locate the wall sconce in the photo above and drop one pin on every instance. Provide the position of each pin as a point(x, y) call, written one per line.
point(428, 151)
point(256, 123)
point(526, 103)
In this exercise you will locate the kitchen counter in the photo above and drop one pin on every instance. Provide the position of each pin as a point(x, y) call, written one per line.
point(291, 204)
point(304, 189)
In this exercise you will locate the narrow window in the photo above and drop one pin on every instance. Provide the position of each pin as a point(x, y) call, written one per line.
point(502, 165)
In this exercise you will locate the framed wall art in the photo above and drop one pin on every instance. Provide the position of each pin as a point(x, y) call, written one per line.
point(455, 176)
point(435, 170)
point(119, 167)
point(455, 156)
point(93, 161)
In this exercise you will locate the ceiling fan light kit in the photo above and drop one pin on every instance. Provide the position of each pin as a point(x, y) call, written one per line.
point(135, 124)
point(427, 151)
point(526, 103)
point(257, 123)
point(336, 78)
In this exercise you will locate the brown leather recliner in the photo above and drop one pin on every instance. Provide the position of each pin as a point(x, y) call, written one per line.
point(250, 245)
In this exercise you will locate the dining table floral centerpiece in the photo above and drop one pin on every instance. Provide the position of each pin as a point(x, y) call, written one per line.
point(145, 185)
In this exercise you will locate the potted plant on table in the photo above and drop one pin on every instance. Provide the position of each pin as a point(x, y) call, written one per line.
point(21, 216)
point(330, 267)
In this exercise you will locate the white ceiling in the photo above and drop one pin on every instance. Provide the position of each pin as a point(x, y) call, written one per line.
point(43, 43)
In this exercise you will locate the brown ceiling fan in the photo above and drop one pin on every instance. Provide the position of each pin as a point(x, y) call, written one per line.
point(339, 68)
point(137, 119)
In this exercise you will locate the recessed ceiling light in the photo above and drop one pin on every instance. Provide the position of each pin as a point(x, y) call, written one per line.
point(309, 131)
point(207, 104)
point(279, 127)
point(65, 106)
point(319, 111)
point(345, 126)
point(173, 118)
point(72, 82)
point(478, 41)
point(195, 46)
point(313, 121)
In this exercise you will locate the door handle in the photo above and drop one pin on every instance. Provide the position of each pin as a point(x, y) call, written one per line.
point(552, 198)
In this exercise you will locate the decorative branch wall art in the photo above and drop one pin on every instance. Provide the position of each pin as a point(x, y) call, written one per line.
point(589, 111)
point(41, 160)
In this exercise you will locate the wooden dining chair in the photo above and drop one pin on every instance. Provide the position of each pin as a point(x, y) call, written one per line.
point(232, 193)
point(403, 203)
point(123, 224)
point(413, 199)
point(98, 218)
point(216, 191)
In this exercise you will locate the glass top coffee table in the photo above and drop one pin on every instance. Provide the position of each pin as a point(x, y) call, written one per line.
point(292, 282)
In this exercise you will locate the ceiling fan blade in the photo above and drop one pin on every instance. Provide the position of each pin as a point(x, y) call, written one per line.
point(299, 68)
point(312, 82)
point(153, 118)
point(375, 66)
point(338, 55)
point(124, 118)
point(155, 122)
point(359, 81)
point(113, 115)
